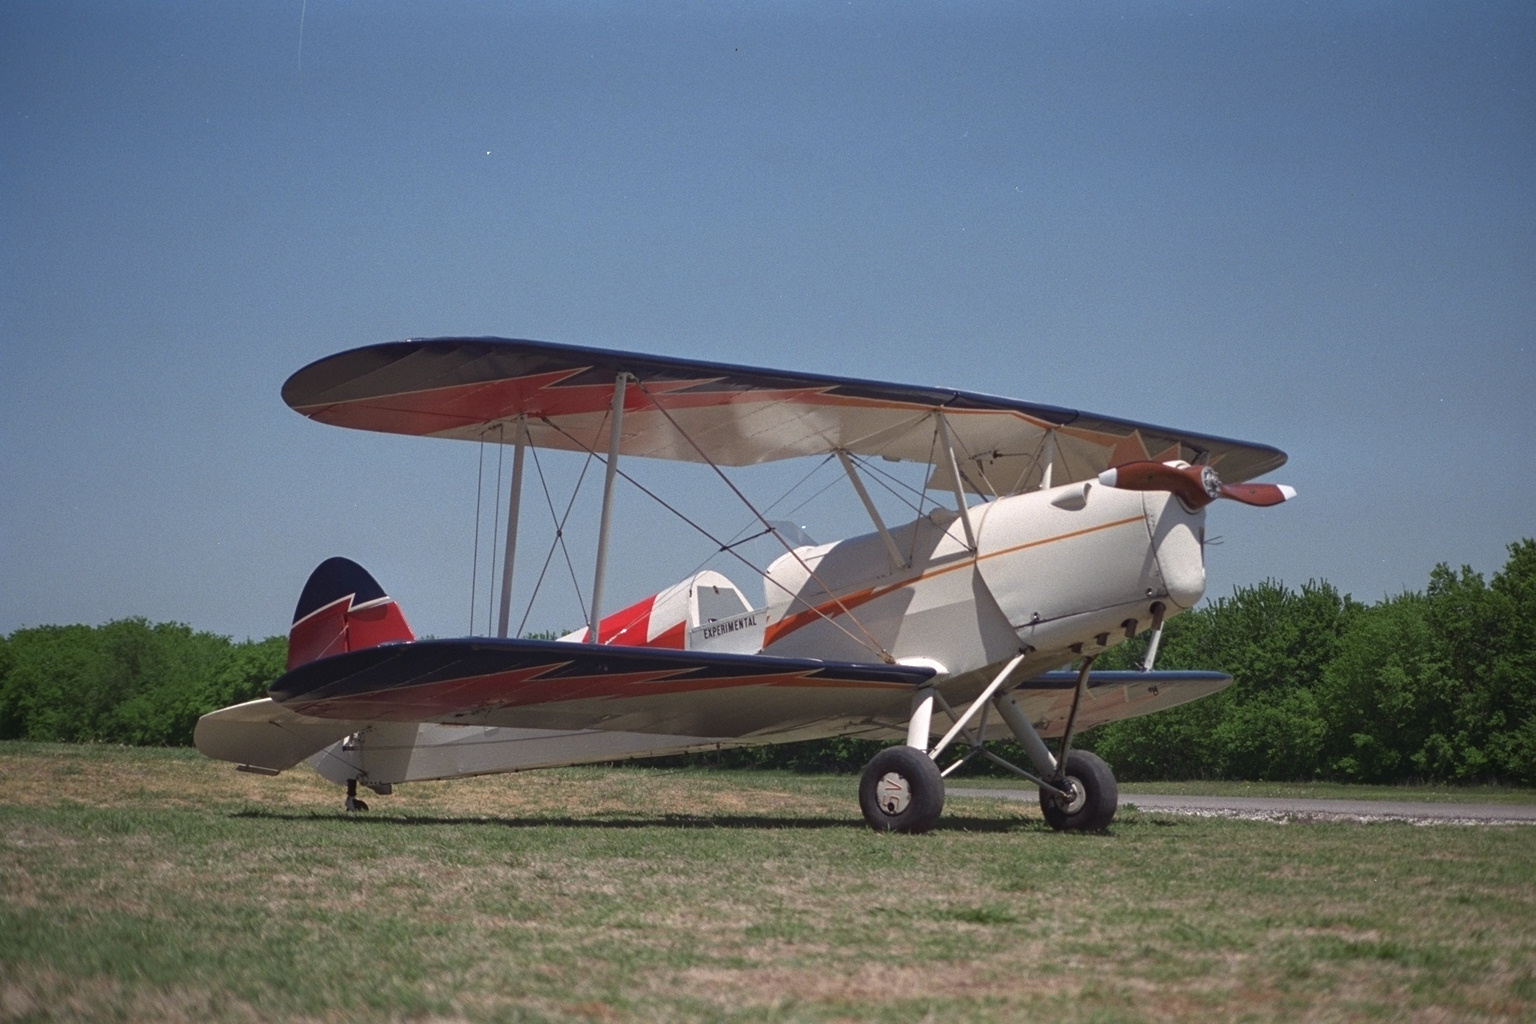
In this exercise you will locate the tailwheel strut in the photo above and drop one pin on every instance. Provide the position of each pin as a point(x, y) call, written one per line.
point(353, 803)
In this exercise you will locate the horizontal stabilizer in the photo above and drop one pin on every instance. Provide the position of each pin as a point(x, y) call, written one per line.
point(546, 684)
point(264, 734)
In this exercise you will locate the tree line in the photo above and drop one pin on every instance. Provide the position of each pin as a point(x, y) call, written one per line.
point(129, 681)
point(1438, 685)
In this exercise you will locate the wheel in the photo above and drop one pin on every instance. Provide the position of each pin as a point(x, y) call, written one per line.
point(354, 804)
point(901, 791)
point(1094, 795)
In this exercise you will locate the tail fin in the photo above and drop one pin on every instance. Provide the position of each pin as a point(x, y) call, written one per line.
point(341, 609)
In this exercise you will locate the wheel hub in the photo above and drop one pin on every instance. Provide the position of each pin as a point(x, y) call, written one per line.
point(893, 793)
point(1076, 796)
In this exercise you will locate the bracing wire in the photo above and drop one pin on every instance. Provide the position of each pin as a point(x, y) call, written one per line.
point(730, 550)
point(885, 480)
point(870, 643)
point(559, 539)
point(922, 496)
point(877, 646)
point(1035, 458)
point(959, 442)
point(739, 537)
point(1060, 455)
point(820, 491)
point(565, 551)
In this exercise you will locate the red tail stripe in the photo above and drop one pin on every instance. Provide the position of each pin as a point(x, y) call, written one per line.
point(338, 627)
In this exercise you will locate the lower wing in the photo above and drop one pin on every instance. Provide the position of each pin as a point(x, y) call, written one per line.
point(1111, 696)
point(550, 685)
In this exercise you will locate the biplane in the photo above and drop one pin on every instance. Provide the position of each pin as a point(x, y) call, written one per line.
point(1054, 535)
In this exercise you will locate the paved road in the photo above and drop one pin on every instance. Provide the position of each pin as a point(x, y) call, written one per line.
point(1265, 808)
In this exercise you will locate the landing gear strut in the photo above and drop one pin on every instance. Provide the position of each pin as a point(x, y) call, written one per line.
point(353, 803)
point(1083, 795)
point(902, 789)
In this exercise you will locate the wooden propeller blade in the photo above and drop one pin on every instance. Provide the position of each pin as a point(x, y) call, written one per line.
point(1258, 494)
point(1195, 486)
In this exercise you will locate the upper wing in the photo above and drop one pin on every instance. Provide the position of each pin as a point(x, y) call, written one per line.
point(542, 684)
point(474, 388)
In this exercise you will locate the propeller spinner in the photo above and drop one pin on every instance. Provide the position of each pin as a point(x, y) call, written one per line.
point(1195, 486)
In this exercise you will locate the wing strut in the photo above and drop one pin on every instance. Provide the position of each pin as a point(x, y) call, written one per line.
point(869, 643)
point(1050, 464)
point(897, 562)
point(514, 510)
point(602, 530)
point(1150, 658)
point(976, 705)
point(954, 472)
point(873, 645)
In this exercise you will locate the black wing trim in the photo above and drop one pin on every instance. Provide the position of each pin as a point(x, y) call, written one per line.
point(437, 679)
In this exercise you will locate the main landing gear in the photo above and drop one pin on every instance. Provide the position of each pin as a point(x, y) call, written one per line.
point(902, 791)
point(902, 788)
point(1092, 795)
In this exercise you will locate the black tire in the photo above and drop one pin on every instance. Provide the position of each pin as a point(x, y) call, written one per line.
point(911, 801)
point(1097, 796)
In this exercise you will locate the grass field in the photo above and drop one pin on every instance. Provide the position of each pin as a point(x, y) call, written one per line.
point(152, 884)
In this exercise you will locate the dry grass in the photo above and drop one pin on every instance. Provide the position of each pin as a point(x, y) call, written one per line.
point(143, 885)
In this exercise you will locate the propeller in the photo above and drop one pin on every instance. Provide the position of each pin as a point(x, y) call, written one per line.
point(1195, 486)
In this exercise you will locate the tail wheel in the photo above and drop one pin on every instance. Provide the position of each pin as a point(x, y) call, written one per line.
point(1094, 795)
point(901, 791)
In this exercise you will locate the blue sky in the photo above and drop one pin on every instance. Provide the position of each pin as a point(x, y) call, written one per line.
point(1312, 226)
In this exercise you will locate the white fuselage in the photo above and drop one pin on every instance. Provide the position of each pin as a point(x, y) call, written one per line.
point(1057, 574)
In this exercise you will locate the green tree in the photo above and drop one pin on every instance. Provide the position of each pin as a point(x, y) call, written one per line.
point(57, 686)
point(11, 724)
point(1482, 704)
point(128, 681)
point(1268, 724)
point(1511, 751)
point(1374, 693)
point(160, 671)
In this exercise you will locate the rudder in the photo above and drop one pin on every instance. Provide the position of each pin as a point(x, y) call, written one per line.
point(342, 608)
